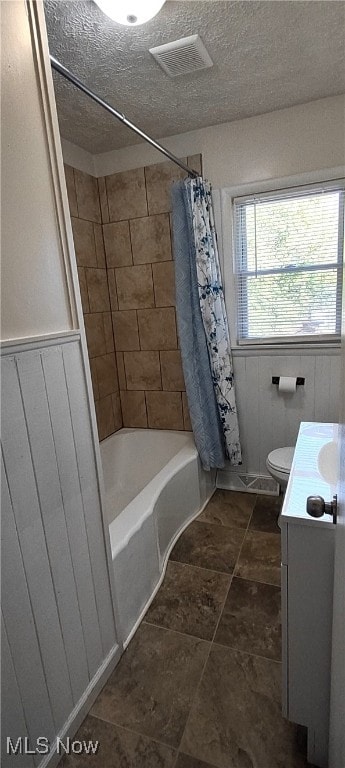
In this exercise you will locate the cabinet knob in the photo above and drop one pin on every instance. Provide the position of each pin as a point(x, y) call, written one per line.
point(317, 507)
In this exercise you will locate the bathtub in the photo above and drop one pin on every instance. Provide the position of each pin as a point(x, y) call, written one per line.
point(154, 486)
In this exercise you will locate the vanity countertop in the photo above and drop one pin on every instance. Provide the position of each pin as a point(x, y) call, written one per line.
point(314, 472)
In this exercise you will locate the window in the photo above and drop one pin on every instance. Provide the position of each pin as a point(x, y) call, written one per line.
point(288, 264)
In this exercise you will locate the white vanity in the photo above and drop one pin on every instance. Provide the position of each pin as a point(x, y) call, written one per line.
point(307, 587)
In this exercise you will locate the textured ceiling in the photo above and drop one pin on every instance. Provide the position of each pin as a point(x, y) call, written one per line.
point(267, 56)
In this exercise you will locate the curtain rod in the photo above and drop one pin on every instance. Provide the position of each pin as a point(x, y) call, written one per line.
point(123, 119)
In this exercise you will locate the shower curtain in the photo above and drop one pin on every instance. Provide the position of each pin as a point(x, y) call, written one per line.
point(203, 327)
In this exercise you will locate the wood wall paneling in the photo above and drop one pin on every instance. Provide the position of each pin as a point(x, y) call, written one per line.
point(56, 594)
point(62, 429)
point(84, 445)
point(269, 419)
point(13, 723)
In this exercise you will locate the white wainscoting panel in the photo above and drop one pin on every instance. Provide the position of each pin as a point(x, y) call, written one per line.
point(12, 716)
point(58, 619)
point(269, 419)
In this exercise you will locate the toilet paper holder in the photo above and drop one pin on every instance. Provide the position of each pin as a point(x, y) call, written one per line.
point(299, 381)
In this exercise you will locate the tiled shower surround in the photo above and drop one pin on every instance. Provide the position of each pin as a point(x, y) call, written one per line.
point(122, 235)
point(87, 227)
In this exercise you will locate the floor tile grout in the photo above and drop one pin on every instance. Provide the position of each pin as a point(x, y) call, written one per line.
point(246, 653)
point(212, 643)
point(210, 648)
point(256, 581)
point(212, 640)
point(199, 568)
point(221, 525)
point(194, 697)
point(168, 629)
point(132, 730)
point(244, 538)
point(176, 750)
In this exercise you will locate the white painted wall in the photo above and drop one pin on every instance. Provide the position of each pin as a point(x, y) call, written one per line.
point(35, 297)
point(300, 139)
point(77, 157)
point(269, 419)
point(308, 141)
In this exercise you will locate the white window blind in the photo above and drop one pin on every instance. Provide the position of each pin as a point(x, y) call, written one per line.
point(288, 263)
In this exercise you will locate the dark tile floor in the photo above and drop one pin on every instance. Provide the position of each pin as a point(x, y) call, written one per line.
point(199, 684)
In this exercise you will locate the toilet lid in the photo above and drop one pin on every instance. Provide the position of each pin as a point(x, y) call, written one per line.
point(281, 459)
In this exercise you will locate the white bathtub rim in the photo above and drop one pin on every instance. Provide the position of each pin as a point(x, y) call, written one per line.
point(147, 499)
point(164, 564)
point(147, 431)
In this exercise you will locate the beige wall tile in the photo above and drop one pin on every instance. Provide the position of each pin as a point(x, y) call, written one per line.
point(108, 332)
point(126, 334)
point(117, 244)
point(159, 179)
point(83, 290)
point(164, 410)
point(150, 238)
point(157, 328)
point(97, 288)
point(106, 374)
point(84, 243)
point(112, 289)
point(164, 283)
point(172, 373)
point(87, 196)
point(117, 410)
point(195, 162)
point(142, 370)
point(93, 370)
point(121, 370)
point(134, 287)
point(105, 417)
point(103, 200)
point(95, 336)
point(133, 409)
point(126, 195)
point(71, 193)
point(186, 417)
point(99, 244)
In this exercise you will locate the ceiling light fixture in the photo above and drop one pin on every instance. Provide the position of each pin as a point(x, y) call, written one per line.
point(132, 13)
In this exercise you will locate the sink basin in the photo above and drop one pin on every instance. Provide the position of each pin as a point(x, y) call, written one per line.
point(327, 462)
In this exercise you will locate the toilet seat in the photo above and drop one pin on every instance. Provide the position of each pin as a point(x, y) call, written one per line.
point(281, 459)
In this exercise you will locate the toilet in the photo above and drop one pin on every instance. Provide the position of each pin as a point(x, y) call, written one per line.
point(279, 464)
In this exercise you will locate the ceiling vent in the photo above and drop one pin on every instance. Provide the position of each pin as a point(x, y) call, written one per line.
point(182, 56)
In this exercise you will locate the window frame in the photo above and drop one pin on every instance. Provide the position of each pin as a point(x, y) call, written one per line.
point(275, 188)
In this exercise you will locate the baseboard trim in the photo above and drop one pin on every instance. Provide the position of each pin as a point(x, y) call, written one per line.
point(83, 706)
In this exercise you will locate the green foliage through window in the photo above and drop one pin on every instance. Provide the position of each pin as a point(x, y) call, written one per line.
point(288, 257)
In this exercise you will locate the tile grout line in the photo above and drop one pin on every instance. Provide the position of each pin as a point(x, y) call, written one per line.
point(246, 653)
point(192, 702)
point(178, 632)
point(131, 730)
point(257, 581)
point(238, 528)
point(245, 535)
point(233, 573)
point(211, 643)
point(202, 567)
point(228, 527)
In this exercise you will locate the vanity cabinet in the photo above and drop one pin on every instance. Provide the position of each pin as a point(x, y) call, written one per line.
point(307, 592)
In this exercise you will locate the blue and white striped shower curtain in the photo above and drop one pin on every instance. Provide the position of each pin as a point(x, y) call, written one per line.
point(203, 327)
